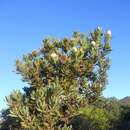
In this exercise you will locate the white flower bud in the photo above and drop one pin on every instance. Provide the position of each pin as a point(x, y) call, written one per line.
point(74, 49)
point(54, 56)
point(109, 33)
point(93, 43)
point(99, 28)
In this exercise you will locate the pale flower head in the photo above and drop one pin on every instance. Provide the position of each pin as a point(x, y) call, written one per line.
point(99, 28)
point(93, 43)
point(74, 49)
point(109, 33)
point(54, 56)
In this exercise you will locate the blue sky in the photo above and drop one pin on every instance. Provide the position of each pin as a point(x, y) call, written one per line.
point(24, 23)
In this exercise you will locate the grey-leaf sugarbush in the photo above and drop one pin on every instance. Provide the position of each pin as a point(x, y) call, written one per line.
point(63, 76)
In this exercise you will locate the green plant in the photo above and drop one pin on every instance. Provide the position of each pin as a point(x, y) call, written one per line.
point(96, 118)
point(63, 76)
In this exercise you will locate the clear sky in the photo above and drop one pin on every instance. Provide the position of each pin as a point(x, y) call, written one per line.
point(24, 23)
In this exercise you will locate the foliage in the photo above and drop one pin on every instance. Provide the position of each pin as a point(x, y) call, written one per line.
point(8, 122)
point(124, 122)
point(97, 119)
point(119, 112)
point(111, 105)
point(63, 77)
point(65, 127)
